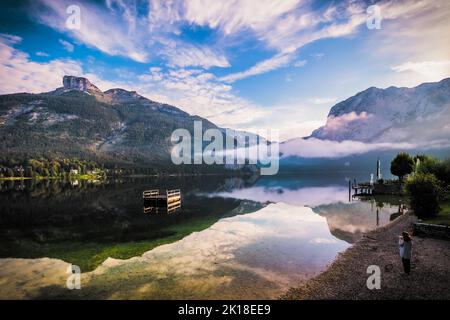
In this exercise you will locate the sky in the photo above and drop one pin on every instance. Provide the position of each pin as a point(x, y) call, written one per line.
point(243, 64)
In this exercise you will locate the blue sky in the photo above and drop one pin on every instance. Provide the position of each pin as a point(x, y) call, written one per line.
point(244, 64)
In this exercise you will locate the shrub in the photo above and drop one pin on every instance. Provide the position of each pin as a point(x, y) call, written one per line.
point(424, 190)
point(442, 171)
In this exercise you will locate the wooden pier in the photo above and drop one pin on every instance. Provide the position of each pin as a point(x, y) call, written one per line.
point(154, 202)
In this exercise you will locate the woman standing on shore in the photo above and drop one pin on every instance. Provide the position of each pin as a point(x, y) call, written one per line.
point(405, 245)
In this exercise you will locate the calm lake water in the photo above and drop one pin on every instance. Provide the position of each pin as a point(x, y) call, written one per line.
point(232, 238)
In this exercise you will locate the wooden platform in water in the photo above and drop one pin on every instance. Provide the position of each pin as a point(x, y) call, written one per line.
point(159, 203)
point(169, 196)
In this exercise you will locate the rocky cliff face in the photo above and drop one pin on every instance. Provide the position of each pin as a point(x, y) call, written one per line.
point(80, 84)
point(391, 115)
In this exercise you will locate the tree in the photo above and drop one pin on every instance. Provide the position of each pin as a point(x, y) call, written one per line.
point(29, 171)
point(423, 190)
point(402, 165)
point(425, 164)
point(9, 172)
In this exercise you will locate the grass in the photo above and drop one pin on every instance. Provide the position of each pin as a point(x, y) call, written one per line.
point(443, 217)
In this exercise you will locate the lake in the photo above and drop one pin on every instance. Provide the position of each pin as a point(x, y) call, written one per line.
point(232, 238)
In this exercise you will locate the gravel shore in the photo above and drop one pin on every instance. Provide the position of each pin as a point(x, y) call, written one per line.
point(346, 277)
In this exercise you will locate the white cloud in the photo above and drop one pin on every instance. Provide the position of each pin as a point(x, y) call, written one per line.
point(298, 28)
point(201, 93)
point(189, 55)
point(238, 15)
point(124, 31)
point(67, 45)
point(283, 25)
point(42, 54)
point(316, 148)
point(322, 100)
point(9, 39)
point(106, 32)
point(276, 62)
point(24, 75)
point(429, 70)
point(340, 121)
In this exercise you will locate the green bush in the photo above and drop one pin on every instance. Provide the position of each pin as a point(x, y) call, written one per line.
point(424, 190)
point(440, 169)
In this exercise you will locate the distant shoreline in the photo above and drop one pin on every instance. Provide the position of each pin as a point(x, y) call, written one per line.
point(78, 177)
point(346, 277)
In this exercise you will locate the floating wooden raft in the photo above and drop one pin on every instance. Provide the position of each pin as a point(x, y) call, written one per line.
point(169, 197)
point(159, 203)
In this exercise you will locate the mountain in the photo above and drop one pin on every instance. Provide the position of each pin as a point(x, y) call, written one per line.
point(375, 123)
point(79, 120)
point(419, 114)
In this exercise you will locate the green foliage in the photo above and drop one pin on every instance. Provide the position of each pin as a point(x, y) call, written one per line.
point(425, 164)
point(32, 168)
point(402, 165)
point(441, 169)
point(424, 191)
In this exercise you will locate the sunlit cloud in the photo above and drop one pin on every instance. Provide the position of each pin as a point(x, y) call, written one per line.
point(270, 64)
point(25, 75)
point(96, 29)
point(429, 70)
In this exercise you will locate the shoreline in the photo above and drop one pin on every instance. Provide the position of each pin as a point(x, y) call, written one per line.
point(345, 278)
point(88, 177)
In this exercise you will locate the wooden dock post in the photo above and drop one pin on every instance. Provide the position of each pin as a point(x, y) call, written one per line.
point(349, 190)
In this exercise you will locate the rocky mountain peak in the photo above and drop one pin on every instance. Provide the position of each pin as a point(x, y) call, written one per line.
point(391, 114)
point(79, 83)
